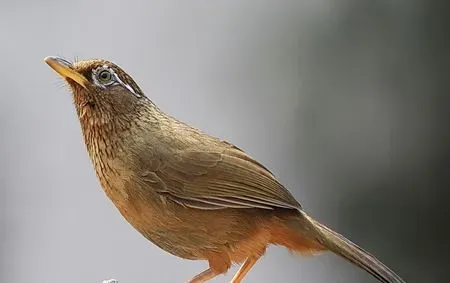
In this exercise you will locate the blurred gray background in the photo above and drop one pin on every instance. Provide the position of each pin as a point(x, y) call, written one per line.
point(347, 102)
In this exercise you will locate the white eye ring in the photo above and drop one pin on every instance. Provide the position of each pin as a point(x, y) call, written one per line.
point(111, 78)
point(103, 76)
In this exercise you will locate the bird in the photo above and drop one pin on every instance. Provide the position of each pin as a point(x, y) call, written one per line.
point(193, 195)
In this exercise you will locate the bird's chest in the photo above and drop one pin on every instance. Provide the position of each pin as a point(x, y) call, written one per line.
point(119, 182)
point(113, 180)
point(112, 172)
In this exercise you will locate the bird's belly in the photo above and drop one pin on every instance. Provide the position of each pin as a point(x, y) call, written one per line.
point(195, 234)
point(185, 232)
point(190, 233)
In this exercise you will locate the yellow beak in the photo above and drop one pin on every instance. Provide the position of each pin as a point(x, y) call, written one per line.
point(65, 70)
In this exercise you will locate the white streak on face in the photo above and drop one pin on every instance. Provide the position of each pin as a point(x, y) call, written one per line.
point(115, 80)
point(127, 86)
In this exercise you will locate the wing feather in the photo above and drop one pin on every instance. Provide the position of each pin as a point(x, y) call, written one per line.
point(218, 180)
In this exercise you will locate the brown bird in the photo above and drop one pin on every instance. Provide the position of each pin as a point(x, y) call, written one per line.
point(193, 195)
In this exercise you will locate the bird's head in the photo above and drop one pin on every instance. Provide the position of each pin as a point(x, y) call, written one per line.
point(101, 89)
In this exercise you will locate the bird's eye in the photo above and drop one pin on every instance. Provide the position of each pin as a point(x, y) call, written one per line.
point(104, 76)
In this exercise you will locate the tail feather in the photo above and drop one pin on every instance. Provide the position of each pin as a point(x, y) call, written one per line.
point(352, 252)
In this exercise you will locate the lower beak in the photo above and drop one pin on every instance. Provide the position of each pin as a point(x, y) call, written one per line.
point(65, 70)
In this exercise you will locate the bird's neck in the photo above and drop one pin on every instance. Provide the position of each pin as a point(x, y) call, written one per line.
point(108, 135)
point(107, 139)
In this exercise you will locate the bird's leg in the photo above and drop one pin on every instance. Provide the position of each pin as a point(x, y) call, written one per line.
point(244, 269)
point(218, 263)
point(204, 276)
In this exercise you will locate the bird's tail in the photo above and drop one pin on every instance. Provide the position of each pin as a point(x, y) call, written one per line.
point(314, 236)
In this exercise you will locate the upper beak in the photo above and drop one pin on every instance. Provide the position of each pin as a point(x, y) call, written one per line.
point(65, 70)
